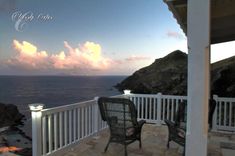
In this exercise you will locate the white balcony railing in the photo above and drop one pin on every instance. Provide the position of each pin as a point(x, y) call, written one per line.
point(155, 108)
point(58, 128)
point(224, 115)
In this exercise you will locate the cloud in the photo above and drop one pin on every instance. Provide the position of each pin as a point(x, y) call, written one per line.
point(174, 34)
point(86, 57)
point(131, 59)
point(137, 58)
point(28, 56)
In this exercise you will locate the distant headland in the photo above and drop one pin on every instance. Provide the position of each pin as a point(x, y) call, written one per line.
point(168, 75)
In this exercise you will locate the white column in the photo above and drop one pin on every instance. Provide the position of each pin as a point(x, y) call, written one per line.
point(198, 32)
point(36, 128)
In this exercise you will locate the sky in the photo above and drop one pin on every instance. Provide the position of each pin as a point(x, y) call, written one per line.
point(88, 37)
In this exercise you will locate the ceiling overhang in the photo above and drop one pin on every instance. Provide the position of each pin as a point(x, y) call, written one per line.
point(222, 18)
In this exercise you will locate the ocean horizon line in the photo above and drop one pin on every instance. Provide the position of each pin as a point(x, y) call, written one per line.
point(65, 75)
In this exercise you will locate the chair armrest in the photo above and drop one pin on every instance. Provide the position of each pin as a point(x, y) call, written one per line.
point(141, 123)
point(181, 132)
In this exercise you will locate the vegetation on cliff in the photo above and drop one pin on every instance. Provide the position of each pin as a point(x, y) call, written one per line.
point(9, 115)
point(168, 75)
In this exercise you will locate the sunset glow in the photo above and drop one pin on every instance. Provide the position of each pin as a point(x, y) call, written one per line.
point(9, 149)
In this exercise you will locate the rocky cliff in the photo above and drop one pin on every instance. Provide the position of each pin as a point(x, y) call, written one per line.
point(9, 115)
point(168, 75)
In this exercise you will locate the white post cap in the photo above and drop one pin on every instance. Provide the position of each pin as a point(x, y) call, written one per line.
point(96, 98)
point(36, 107)
point(127, 92)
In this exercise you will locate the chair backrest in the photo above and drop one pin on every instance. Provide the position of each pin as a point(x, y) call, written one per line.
point(212, 106)
point(180, 115)
point(118, 112)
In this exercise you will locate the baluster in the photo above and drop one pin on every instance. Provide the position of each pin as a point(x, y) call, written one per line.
point(79, 123)
point(65, 128)
point(86, 121)
point(146, 107)
point(89, 121)
point(82, 120)
point(230, 113)
point(172, 109)
point(219, 104)
point(61, 129)
point(168, 109)
point(225, 113)
point(150, 108)
point(142, 107)
point(55, 132)
point(154, 109)
point(164, 109)
point(177, 105)
point(44, 147)
point(49, 133)
point(74, 124)
point(138, 98)
point(70, 126)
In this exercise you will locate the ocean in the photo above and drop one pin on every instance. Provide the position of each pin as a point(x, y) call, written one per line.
point(55, 90)
point(52, 91)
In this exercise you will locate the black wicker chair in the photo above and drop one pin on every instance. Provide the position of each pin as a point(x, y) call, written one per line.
point(121, 116)
point(176, 130)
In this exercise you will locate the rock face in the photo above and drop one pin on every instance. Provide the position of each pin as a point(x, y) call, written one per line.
point(168, 75)
point(223, 77)
point(9, 115)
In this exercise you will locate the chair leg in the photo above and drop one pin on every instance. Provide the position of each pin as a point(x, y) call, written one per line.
point(140, 143)
point(125, 150)
point(168, 143)
point(107, 145)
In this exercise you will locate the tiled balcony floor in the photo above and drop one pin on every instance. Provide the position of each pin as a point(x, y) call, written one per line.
point(154, 140)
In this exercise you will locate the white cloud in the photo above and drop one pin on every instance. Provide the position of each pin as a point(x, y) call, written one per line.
point(28, 56)
point(174, 34)
point(83, 59)
point(137, 58)
point(88, 56)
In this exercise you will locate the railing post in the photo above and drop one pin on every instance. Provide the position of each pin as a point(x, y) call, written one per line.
point(127, 94)
point(96, 116)
point(159, 104)
point(214, 122)
point(36, 116)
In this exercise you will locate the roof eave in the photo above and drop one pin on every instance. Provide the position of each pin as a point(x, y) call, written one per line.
point(176, 15)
